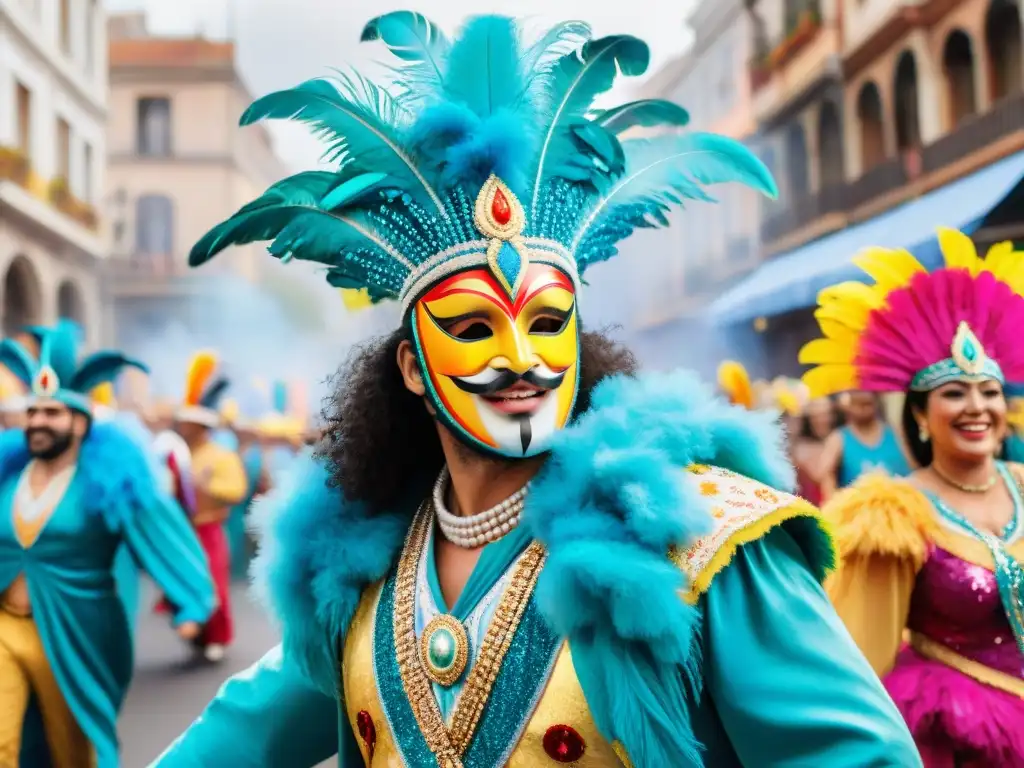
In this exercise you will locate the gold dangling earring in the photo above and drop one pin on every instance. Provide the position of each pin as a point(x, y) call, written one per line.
point(922, 432)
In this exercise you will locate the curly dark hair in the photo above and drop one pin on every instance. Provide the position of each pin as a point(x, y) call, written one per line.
point(381, 446)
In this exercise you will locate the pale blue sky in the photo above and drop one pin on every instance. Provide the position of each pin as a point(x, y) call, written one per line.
point(282, 42)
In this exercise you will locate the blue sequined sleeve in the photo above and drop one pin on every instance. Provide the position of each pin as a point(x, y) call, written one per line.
point(268, 716)
point(786, 679)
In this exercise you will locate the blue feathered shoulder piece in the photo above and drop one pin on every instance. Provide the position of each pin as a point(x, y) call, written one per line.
point(487, 151)
point(116, 470)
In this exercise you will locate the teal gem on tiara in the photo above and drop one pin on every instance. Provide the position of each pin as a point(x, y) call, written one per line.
point(967, 362)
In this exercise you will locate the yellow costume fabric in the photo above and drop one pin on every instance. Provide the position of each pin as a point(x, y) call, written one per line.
point(884, 528)
point(24, 670)
point(220, 479)
point(743, 510)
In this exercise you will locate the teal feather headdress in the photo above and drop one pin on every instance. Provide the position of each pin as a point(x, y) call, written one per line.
point(487, 153)
point(58, 374)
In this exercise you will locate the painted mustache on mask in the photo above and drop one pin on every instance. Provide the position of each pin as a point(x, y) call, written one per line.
point(492, 380)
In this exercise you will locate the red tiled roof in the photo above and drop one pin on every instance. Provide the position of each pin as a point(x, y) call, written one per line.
point(170, 52)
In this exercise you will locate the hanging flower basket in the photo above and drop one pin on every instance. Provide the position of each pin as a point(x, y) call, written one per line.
point(14, 166)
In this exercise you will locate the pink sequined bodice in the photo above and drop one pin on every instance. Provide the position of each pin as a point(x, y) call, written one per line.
point(957, 603)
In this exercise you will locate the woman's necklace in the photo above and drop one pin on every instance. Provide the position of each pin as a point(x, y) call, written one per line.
point(985, 487)
point(483, 528)
point(31, 507)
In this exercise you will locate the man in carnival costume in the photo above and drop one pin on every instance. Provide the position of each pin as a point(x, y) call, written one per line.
point(494, 559)
point(218, 482)
point(73, 492)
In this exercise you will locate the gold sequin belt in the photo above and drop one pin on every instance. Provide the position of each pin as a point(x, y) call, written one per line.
point(975, 670)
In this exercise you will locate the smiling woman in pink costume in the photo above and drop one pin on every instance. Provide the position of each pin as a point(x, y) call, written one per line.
point(935, 558)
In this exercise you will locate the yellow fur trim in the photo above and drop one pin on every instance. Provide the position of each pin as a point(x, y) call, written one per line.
point(200, 371)
point(884, 516)
point(743, 511)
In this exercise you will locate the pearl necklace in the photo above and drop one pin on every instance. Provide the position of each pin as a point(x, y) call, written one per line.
point(31, 507)
point(483, 528)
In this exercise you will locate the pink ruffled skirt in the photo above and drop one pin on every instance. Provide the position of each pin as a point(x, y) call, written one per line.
point(956, 721)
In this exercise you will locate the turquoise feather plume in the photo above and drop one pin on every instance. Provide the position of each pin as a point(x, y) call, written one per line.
point(410, 160)
point(18, 361)
point(644, 113)
point(661, 173)
point(575, 81)
point(370, 133)
point(102, 368)
point(418, 43)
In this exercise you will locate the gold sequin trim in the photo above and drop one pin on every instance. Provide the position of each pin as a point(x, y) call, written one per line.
point(447, 745)
point(985, 675)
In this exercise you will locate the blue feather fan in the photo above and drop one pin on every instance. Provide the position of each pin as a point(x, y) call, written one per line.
point(409, 161)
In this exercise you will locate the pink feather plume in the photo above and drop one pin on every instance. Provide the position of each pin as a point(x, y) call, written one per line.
point(917, 327)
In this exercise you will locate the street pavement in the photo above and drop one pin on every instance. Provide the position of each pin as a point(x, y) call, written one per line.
point(167, 691)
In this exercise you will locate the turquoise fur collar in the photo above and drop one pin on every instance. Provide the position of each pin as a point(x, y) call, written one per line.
point(608, 505)
point(114, 469)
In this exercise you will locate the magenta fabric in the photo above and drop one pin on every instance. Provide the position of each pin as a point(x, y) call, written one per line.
point(955, 719)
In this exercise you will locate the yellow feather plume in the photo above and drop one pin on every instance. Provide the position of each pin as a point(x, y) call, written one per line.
point(200, 370)
point(890, 269)
point(959, 251)
point(735, 382)
point(827, 352)
point(104, 395)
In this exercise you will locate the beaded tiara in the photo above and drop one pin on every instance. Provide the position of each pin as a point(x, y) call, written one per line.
point(485, 152)
point(914, 330)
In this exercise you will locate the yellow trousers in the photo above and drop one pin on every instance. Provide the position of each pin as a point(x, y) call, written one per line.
point(24, 670)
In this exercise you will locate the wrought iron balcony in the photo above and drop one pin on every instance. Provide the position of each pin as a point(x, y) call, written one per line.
point(803, 211)
point(974, 133)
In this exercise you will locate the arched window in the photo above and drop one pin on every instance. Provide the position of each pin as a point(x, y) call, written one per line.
point(23, 299)
point(958, 65)
point(70, 304)
point(830, 145)
point(796, 160)
point(154, 226)
point(1003, 34)
point(908, 126)
point(872, 130)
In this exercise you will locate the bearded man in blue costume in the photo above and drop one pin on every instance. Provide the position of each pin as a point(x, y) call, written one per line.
point(75, 491)
point(511, 549)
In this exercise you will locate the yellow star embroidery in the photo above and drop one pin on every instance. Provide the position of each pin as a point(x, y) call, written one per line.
point(708, 488)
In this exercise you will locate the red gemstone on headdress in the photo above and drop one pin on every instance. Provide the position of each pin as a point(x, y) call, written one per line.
point(563, 744)
point(367, 731)
point(44, 381)
point(501, 209)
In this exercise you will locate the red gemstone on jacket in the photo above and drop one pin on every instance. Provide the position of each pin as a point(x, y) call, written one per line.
point(367, 731)
point(563, 744)
point(501, 209)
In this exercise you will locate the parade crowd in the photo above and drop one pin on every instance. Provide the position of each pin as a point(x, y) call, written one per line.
point(510, 546)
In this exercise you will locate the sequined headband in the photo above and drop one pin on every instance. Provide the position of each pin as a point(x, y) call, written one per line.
point(967, 362)
point(499, 217)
